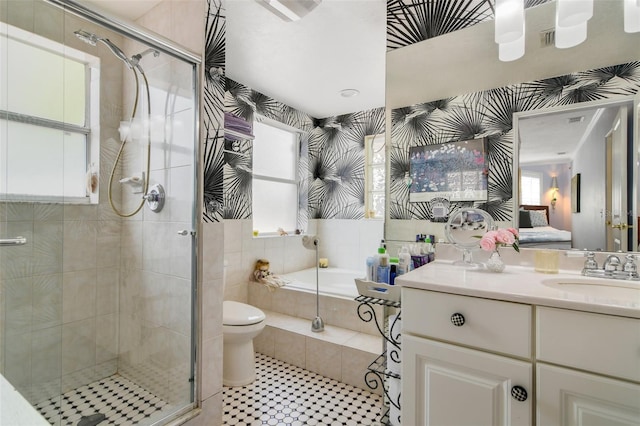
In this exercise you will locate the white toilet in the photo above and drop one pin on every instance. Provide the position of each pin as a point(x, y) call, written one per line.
point(240, 324)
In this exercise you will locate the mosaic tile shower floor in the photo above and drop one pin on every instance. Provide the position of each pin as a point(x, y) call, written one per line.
point(120, 400)
point(287, 395)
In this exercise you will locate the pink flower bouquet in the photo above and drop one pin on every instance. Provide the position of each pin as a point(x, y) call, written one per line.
point(492, 240)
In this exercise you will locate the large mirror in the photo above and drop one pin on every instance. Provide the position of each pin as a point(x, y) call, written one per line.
point(413, 79)
point(576, 165)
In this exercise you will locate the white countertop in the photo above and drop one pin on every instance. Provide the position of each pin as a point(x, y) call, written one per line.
point(523, 285)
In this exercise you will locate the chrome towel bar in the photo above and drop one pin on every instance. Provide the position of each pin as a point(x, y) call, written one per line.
point(17, 241)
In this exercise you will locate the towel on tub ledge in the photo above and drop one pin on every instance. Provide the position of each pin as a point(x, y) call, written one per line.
point(262, 275)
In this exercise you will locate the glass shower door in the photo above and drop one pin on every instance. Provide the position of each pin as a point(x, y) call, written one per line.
point(96, 309)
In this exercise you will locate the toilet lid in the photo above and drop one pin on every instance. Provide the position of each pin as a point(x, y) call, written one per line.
point(236, 313)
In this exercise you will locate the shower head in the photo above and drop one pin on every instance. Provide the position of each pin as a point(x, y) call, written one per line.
point(93, 39)
point(310, 242)
point(87, 37)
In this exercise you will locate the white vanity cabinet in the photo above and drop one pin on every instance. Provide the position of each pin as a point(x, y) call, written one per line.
point(470, 360)
point(466, 360)
point(588, 368)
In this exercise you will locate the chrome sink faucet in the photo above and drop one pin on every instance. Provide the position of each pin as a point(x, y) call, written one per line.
point(590, 264)
point(612, 263)
point(612, 267)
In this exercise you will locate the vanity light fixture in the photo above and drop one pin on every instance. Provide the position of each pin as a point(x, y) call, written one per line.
point(554, 192)
point(509, 29)
point(290, 10)
point(571, 21)
point(631, 16)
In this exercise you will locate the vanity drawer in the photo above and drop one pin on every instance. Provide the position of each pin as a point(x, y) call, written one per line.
point(488, 324)
point(600, 343)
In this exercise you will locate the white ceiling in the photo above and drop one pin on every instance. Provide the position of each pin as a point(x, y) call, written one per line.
point(339, 45)
point(552, 138)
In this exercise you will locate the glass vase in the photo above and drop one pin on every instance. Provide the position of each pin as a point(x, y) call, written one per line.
point(495, 263)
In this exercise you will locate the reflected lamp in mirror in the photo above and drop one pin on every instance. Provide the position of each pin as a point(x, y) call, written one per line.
point(554, 191)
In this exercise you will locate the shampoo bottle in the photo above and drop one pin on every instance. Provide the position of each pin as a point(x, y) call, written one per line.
point(404, 261)
point(383, 266)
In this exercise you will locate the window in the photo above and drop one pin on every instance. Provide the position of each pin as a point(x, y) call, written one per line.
point(530, 188)
point(48, 119)
point(375, 176)
point(275, 183)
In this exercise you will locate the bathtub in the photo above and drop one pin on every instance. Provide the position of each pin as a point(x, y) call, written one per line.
point(333, 281)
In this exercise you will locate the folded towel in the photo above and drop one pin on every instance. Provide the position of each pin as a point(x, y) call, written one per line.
point(237, 124)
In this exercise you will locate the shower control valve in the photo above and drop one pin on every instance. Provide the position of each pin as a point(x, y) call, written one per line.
point(155, 198)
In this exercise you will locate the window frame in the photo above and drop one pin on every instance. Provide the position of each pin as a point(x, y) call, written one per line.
point(265, 178)
point(91, 128)
point(369, 141)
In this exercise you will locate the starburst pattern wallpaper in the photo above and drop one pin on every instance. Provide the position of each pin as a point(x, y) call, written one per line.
point(337, 161)
point(413, 21)
point(490, 114)
point(213, 117)
point(249, 104)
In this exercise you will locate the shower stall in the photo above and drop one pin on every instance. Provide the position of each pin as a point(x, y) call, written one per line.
point(98, 141)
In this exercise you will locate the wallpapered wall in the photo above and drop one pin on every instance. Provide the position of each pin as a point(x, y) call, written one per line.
point(331, 169)
point(490, 114)
point(413, 21)
point(334, 186)
point(213, 116)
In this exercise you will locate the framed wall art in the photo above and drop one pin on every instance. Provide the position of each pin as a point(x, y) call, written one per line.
point(456, 171)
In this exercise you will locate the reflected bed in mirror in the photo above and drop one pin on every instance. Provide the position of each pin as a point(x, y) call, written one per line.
point(535, 231)
point(595, 141)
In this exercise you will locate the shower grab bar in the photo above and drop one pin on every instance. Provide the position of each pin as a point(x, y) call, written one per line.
point(17, 241)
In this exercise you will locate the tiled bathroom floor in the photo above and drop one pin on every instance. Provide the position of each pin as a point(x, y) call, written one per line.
point(120, 400)
point(287, 395)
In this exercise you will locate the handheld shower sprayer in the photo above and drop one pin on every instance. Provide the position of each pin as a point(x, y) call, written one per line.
point(154, 197)
point(311, 243)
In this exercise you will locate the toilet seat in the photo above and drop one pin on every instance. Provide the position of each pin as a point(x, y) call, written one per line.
point(240, 314)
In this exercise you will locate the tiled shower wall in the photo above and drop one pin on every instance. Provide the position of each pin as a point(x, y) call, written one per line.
point(155, 292)
point(60, 299)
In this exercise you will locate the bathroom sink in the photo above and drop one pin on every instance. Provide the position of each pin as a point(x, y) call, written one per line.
point(599, 288)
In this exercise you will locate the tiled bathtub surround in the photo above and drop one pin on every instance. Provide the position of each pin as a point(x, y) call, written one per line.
point(346, 243)
point(338, 311)
point(337, 353)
